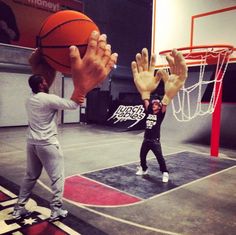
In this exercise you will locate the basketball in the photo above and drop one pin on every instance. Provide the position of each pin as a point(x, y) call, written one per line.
point(61, 30)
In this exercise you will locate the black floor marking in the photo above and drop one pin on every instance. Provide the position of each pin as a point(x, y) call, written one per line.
point(184, 167)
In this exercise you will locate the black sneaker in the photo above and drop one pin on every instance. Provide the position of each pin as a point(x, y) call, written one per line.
point(20, 212)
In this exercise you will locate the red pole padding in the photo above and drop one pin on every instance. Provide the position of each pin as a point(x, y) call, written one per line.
point(216, 116)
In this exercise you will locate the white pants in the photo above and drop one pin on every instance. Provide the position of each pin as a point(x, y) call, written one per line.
point(51, 158)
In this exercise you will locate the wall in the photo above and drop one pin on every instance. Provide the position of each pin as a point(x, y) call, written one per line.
point(13, 92)
point(14, 89)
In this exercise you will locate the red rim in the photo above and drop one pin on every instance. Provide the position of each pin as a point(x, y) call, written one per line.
point(214, 51)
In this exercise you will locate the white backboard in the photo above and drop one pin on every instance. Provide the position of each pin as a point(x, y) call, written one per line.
point(184, 23)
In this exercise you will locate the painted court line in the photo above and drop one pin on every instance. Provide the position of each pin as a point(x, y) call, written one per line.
point(97, 145)
point(159, 195)
point(192, 182)
point(10, 202)
point(94, 142)
point(11, 152)
point(126, 163)
point(10, 194)
point(110, 187)
point(122, 220)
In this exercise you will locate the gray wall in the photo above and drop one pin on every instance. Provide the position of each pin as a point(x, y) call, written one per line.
point(13, 92)
point(14, 89)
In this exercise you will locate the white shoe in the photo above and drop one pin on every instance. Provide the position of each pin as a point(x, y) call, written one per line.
point(140, 171)
point(165, 177)
point(57, 214)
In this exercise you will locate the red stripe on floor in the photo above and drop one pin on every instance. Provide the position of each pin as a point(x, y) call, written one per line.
point(3, 197)
point(86, 191)
point(42, 228)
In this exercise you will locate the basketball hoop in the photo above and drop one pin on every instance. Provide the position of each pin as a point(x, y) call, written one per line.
point(186, 106)
point(202, 56)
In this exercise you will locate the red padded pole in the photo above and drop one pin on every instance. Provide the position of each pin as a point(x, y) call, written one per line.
point(216, 116)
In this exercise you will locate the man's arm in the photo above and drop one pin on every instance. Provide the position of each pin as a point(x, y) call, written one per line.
point(146, 103)
point(58, 103)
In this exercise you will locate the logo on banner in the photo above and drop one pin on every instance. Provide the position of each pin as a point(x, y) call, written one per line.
point(128, 113)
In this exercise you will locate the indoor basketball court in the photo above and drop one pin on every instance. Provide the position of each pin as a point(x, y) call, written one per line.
point(101, 140)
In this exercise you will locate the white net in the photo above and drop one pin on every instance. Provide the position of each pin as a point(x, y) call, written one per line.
point(188, 102)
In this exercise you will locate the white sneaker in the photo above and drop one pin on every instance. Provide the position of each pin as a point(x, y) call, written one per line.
point(165, 177)
point(140, 171)
point(57, 214)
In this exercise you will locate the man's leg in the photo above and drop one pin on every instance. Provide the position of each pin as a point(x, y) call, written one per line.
point(52, 159)
point(53, 162)
point(143, 155)
point(156, 149)
point(33, 171)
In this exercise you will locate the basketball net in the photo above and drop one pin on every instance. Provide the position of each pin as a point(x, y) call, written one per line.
point(188, 102)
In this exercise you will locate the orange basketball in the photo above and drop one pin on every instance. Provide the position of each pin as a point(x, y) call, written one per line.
point(61, 30)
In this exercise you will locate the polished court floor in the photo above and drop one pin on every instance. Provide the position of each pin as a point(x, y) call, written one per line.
point(104, 196)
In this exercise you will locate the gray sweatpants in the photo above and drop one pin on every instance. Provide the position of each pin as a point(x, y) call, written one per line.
point(51, 158)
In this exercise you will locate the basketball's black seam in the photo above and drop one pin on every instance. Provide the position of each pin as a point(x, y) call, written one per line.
point(55, 61)
point(53, 29)
point(59, 47)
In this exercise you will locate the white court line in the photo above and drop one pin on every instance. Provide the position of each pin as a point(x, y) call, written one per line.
point(94, 142)
point(123, 221)
point(127, 163)
point(11, 152)
point(208, 155)
point(92, 205)
point(97, 145)
point(88, 145)
point(10, 194)
point(228, 158)
point(108, 186)
point(112, 217)
point(8, 202)
point(13, 201)
point(136, 224)
point(144, 200)
point(192, 182)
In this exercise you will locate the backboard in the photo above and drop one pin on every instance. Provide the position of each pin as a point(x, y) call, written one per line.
point(190, 23)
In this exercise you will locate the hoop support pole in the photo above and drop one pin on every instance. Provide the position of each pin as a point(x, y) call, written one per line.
point(216, 116)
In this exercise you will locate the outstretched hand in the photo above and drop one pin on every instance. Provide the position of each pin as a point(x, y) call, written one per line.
point(93, 68)
point(177, 77)
point(143, 74)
